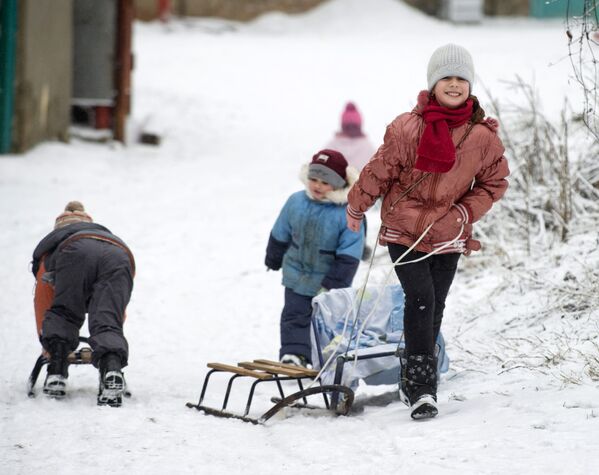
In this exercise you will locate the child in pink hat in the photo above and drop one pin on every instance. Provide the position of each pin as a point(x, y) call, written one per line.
point(350, 140)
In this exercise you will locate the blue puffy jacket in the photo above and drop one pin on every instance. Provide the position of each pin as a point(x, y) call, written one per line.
point(311, 241)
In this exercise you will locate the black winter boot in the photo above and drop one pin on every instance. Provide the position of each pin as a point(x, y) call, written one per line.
point(419, 384)
point(112, 381)
point(55, 384)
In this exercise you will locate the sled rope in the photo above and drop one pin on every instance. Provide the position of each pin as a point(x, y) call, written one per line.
point(398, 263)
point(371, 264)
point(362, 290)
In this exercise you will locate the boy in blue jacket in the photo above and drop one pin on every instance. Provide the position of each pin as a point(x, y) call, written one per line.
point(312, 243)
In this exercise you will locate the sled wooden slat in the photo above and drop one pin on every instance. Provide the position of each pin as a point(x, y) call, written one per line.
point(239, 370)
point(310, 373)
point(292, 372)
point(83, 356)
point(275, 370)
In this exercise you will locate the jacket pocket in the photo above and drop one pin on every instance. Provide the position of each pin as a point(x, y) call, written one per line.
point(450, 226)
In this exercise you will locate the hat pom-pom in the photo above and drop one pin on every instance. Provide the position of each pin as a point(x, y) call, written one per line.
point(74, 206)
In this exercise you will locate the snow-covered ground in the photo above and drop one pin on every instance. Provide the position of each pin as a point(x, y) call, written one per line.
point(241, 107)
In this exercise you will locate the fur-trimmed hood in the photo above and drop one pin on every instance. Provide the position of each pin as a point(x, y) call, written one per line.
point(338, 197)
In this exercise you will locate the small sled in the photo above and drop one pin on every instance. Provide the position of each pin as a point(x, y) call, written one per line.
point(81, 356)
point(266, 371)
point(341, 356)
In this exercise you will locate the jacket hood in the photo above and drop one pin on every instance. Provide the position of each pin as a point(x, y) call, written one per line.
point(338, 197)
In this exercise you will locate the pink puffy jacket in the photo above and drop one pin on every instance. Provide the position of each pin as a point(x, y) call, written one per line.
point(413, 200)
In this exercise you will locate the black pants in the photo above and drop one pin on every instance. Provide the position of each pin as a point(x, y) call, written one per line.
point(295, 325)
point(93, 277)
point(425, 284)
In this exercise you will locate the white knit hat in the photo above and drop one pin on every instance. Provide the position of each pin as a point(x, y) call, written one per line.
point(450, 60)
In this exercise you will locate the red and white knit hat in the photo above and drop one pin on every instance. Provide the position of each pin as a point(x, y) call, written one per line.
point(74, 212)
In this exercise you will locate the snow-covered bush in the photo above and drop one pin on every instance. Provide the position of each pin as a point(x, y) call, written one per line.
point(554, 181)
point(544, 234)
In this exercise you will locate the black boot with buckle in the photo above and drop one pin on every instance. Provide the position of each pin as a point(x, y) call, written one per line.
point(112, 381)
point(55, 384)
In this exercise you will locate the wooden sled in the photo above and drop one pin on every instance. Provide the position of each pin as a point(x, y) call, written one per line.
point(262, 371)
point(82, 355)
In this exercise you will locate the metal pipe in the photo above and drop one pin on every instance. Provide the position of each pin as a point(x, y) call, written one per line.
point(8, 40)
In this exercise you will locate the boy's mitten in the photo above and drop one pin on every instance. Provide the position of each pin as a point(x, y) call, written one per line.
point(271, 264)
point(274, 253)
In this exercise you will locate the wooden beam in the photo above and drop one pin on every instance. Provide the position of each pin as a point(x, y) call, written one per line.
point(123, 67)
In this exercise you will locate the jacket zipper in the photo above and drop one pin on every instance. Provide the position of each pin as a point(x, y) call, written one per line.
point(422, 218)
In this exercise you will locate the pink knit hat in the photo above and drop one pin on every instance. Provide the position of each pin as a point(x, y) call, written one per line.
point(351, 120)
point(351, 115)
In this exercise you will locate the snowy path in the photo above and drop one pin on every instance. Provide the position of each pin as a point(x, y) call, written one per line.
point(240, 116)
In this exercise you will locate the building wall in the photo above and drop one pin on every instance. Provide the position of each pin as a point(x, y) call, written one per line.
point(506, 7)
point(491, 7)
point(560, 9)
point(43, 72)
point(241, 10)
point(430, 7)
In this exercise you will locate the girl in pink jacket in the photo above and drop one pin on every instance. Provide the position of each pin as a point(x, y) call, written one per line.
point(350, 140)
point(439, 170)
point(356, 148)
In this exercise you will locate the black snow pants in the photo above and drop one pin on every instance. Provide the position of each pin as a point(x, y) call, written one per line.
point(426, 285)
point(295, 325)
point(93, 277)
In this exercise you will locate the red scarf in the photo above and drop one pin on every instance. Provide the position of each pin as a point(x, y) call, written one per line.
point(436, 151)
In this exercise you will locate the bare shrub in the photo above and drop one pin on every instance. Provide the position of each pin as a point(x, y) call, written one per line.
point(553, 189)
point(583, 43)
point(542, 232)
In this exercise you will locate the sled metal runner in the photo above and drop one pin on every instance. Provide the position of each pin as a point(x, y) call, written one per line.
point(341, 360)
point(263, 371)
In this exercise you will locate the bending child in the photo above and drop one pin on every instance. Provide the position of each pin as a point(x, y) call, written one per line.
point(440, 169)
point(313, 244)
point(82, 268)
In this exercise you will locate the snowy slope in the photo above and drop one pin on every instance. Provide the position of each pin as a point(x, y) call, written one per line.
point(241, 107)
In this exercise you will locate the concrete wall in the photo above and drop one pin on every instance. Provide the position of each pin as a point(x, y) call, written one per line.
point(43, 72)
point(242, 10)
